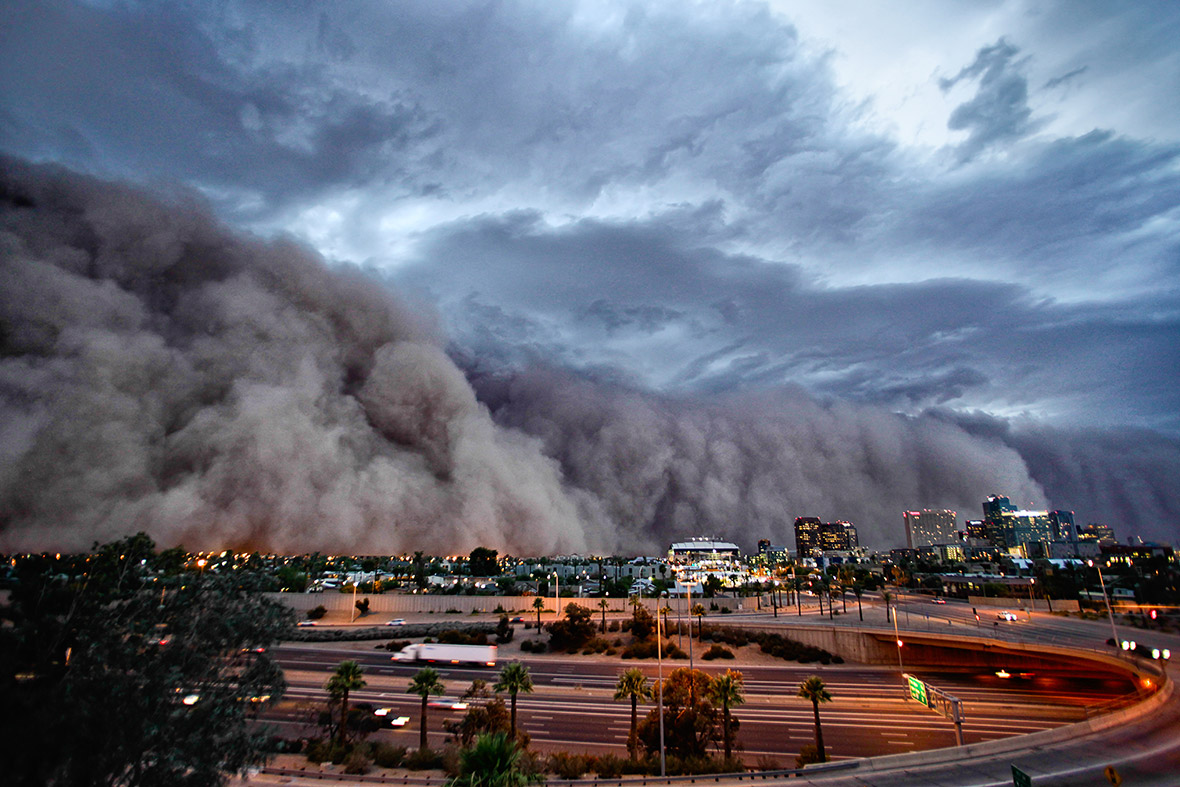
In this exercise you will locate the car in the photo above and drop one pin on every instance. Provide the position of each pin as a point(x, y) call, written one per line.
point(517, 619)
point(938, 601)
point(397, 622)
point(392, 721)
point(1005, 615)
point(449, 704)
point(303, 623)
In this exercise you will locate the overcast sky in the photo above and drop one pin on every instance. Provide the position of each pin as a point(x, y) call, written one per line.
point(973, 207)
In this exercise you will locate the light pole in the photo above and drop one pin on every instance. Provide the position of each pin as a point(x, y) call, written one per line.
point(557, 595)
point(897, 637)
point(660, 695)
point(1114, 634)
point(688, 603)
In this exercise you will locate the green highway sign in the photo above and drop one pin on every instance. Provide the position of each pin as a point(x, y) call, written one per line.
point(1020, 778)
point(918, 690)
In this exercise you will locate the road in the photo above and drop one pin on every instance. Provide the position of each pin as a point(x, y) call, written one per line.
point(572, 707)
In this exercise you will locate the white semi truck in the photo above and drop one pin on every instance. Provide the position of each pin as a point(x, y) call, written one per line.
point(483, 655)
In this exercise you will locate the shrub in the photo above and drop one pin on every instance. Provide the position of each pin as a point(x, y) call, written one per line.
point(453, 611)
point(386, 755)
point(726, 611)
point(450, 760)
point(357, 762)
point(612, 626)
point(395, 644)
point(765, 763)
point(608, 766)
point(807, 755)
point(717, 652)
point(423, 760)
point(499, 610)
point(317, 613)
point(644, 649)
point(318, 750)
point(568, 766)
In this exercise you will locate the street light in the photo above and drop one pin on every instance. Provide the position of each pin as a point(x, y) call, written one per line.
point(1114, 634)
point(660, 695)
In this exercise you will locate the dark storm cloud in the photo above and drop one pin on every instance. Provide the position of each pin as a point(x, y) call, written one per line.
point(678, 198)
point(1126, 478)
point(999, 111)
point(160, 373)
point(943, 341)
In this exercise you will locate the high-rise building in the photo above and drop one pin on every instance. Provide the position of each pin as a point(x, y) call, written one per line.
point(928, 527)
point(1012, 529)
point(807, 535)
point(837, 536)
point(976, 529)
point(1093, 532)
point(1063, 526)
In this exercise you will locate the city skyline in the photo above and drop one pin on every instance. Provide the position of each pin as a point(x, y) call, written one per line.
point(587, 275)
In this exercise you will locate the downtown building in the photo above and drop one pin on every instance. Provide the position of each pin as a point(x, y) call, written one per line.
point(812, 535)
point(930, 527)
point(1027, 533)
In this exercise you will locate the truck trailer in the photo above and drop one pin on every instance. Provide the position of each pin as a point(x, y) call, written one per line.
point(437, 652)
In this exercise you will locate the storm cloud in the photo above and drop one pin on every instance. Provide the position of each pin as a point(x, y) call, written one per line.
point(163, 374)
point(903, 222)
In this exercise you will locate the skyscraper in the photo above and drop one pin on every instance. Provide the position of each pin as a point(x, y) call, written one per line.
point(807, 535)
point(928, 527)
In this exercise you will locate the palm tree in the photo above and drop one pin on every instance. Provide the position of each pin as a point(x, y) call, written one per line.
point(726, 691)
point(813, 689)
point(492, 761)
point(514, 678)
point(885, 596)
point(538, 604)
point(666, 610)
point(424, 683)
point(858, 590)
point(633, 685)
point(603, 604)
point(346, 678)
point(699, 611)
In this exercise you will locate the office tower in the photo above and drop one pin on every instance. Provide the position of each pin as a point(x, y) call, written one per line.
point(928, 527)
point(807, 535)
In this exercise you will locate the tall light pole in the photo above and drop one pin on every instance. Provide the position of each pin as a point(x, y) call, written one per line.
point(897, 637)
point(688, 602)
point(660, 695)
point(557, 595)
point(1114, 634)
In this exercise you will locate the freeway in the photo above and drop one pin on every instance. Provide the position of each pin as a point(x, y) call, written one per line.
point(572, 706)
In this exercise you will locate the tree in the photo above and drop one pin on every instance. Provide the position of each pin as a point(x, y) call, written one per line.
point(691, 721)
point(858, 590)
point(362, 606)
point(574, 631)
point(347, 678)
point(420, 570)
point(485, 714)
point(494, 761)
point(726, 691)
point(538, 604)
point(114, 674)
point(514, 678)
point(425, 682)
point(633, 685)
point(604, 605)
point(482, 562)
point(813, 689)
point(699, 611)
point(642, 622)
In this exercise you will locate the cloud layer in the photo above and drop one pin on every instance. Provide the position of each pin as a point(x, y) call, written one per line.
point(161, 373)
point(917, 217)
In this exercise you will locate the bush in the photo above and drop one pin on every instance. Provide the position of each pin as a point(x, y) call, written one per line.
point(395, 644)
point(386, 755)
point(568, 766)
point(357, 762)
point(318, 750)
point(423, 760)
point(717, 652)
point(726, 611)
point(453, 611)
point(609, 766)
point(643, 649)
point(807, 755)
point(317, 613)
point(612, 626)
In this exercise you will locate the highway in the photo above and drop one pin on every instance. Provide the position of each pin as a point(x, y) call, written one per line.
point(572, 707)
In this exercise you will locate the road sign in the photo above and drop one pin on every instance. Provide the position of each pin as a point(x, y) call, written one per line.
point(1020, 778)
point(1112, 776)
point(918, 690)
